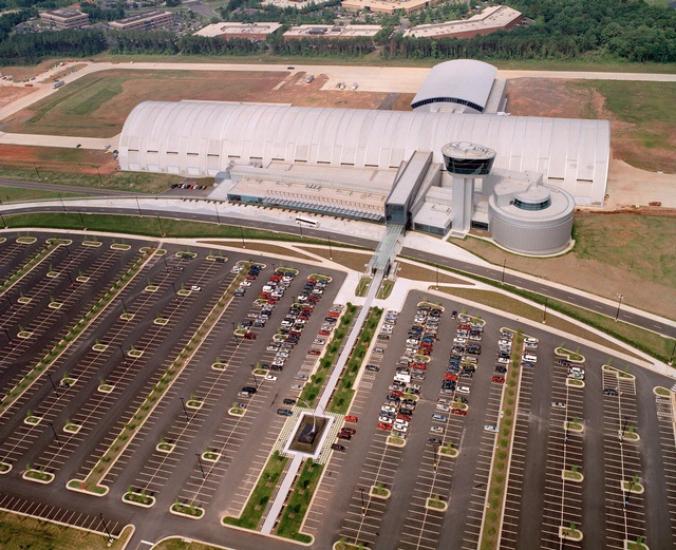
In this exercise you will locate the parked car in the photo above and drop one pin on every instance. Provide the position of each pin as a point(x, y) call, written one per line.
point(285, 412)
point(338, 447)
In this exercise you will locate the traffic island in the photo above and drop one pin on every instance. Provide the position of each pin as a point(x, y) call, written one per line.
point(52, 274)
point(135, 353)
point(71, 428)
point(573, 426)
point(194, 404)
point(574, 383)
point(570, 533)
point(211, 456)
point(165, 447)
point(24, 300)
point(435, 503)
point(120, 246)
point(569, 355)
point(5, 468)
point(395, 441)
point(632, 486)
point(572, 475)
point(219, 366)
point(184, 292)
point(637, 544)
point(68, 382)
point(628, 436)
point(236, 410)
point(55, 305)
point(185, 255)
point(105, 387)
point(151, 289)
point(38, 476)
point(448, 451)
point(126, 316)
point(92, 243)
point(161, 321)
point(99, 347)
point(82, 278)
point(261, 373)
point(344, 545)
point(661, 391)
point(80, 486)
point(24, 334)
point(308, 435)
point(380, 491)
point(189, 511)
point(32, 420)
point(26, 240)
point(138, 498)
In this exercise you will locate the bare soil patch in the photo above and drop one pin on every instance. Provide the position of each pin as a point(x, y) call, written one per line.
point(252, 244)
point(19, 73)
point(418, 273)
point(9, 94)
point(57, 159)
point(351, 260)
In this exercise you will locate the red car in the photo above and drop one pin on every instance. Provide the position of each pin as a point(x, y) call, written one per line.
point(384, 426)
point(354, 419)
point(459, 412)
point(404, 417)
point(348, 431)
point(451, 377)
point(498, 379)
point(342, 435)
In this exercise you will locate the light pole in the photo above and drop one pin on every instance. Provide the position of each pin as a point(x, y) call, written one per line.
point(185, 411)
point(504, 265)
point(241, 234)
point(619, 305)
point(300, 229)
point(105, 527)
point(199, 461)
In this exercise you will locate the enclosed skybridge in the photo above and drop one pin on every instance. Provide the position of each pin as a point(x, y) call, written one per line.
point(398, 207)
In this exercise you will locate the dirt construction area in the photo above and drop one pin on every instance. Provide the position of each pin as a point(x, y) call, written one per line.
point(98, 104)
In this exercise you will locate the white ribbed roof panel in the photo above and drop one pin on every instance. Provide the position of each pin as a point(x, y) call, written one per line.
point(571, 153)
point(466, 80)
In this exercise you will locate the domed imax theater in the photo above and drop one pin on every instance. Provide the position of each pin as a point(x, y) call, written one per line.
point(456, 161)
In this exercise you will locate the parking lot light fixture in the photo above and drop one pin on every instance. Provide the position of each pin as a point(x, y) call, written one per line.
point(105, 527)
point(185, 411)
point(619, 305)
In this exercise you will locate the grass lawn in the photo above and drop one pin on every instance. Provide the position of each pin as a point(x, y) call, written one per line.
point(630, 254)
point(138, 182)
point(21, 533)
point(8, 194)
point(297, 505)
point(647, 111)
point(144, 225)
point(258, 500)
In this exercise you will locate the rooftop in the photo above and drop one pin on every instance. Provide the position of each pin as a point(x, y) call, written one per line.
point(333, 31)
point(492, 17)
point(225, 28)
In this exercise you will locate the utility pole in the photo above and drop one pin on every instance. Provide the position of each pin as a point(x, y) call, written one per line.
point(504, 265)
point(241, 234)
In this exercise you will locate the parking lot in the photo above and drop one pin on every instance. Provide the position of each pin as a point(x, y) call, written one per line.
point(593, 449)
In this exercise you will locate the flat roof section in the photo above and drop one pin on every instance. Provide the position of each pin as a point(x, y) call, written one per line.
point(491, 18)
point(225, 28)
point(410, 178)
point(332, 31)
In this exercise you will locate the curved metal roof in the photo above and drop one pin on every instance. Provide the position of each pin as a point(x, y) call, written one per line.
point(203, 138)
point(463, 81)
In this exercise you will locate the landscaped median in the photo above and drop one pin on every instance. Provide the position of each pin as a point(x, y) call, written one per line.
point(74, 332)
point(299, 501)
point(92, 482)
point(313, 387)
point(252, 513)
point(32, 263)
point(342, 395)
point(499, 476)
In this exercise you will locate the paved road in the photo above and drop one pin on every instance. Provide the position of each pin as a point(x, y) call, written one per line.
point(494, 273)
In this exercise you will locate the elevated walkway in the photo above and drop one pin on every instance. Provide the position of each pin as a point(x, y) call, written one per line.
point(387, 248)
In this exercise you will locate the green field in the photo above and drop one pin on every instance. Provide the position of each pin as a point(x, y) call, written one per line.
point(138, 182)
point(8, 194)
point(22, 533)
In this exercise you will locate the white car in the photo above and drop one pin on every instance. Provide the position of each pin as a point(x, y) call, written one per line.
point(462, 389)
point(491, 428)
point(401, 426)
point(388, 409)
point(385, 419)
point(530, 358)
point(270, 377)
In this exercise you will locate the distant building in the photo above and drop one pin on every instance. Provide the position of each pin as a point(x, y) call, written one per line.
point(250, 31)
point(143, 21)
point(331, 32)
point(388, 6)
point(491, 19)
point(65, 18)
point(296, 4)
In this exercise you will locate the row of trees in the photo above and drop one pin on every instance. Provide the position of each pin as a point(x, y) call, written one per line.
point(163, 42)
point(25, 49)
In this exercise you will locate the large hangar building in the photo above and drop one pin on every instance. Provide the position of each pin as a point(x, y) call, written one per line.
point(396, 167)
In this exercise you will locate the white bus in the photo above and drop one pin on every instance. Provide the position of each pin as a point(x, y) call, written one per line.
point(307, 221)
